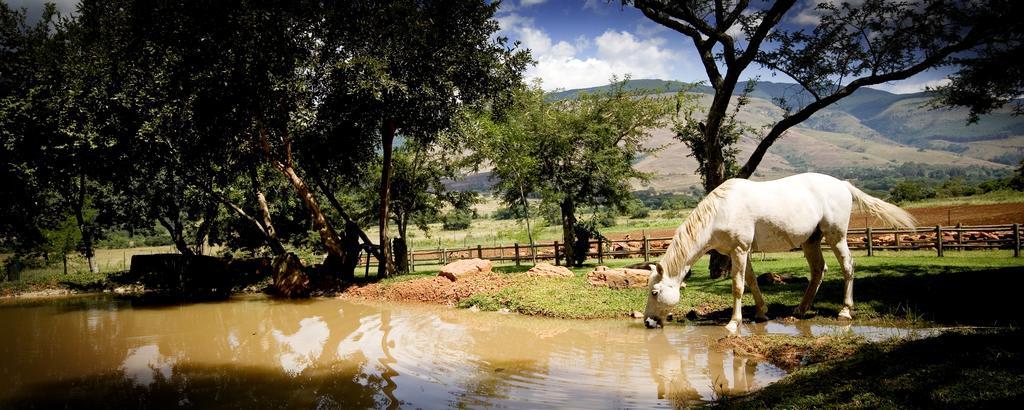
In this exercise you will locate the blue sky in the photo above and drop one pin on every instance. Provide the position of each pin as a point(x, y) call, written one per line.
point(583, 43)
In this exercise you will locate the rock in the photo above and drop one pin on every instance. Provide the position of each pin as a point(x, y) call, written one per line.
point(772, 278)
point(458, 269)
point(636, 315)
point(549, 270)
point(504, 311)
point(601, 268)
point(619, 278)
point(769, 278)
point(474, 308)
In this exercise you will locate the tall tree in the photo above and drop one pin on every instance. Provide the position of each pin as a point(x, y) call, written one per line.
point(574, 153)
point(407, 68)
point(59, 136)
point(853, 44)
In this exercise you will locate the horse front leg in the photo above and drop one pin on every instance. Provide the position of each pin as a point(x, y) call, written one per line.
point(739, 269)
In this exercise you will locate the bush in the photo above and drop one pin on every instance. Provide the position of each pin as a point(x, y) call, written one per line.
point(909, 190)
point(457, 219)
point(605, 220)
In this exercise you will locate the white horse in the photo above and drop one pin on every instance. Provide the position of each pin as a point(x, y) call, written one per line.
point(742, 216)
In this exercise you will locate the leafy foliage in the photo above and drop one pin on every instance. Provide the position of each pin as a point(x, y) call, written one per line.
point(574, 153)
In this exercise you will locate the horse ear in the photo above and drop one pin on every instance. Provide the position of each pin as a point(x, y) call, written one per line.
point(655, 273)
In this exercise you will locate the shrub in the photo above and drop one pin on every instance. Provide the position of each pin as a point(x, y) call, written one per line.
point(457, 219)
point(909, 190)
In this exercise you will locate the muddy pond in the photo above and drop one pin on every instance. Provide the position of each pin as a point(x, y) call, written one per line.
point(251, 351)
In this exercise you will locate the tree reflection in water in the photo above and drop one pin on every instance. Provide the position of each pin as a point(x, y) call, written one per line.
point(257, 352)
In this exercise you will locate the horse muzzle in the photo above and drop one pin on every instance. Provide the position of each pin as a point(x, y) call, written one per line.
point(652, 323)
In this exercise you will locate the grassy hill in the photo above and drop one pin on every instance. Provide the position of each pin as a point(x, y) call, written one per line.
point(870, 129)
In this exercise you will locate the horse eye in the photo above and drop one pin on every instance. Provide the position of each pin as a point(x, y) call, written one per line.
point(654, 292)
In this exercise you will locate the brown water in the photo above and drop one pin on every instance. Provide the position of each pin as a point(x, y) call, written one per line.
point(328, 353)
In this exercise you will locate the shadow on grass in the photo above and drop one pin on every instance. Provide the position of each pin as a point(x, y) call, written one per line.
point(944, 295)
point(953, 370)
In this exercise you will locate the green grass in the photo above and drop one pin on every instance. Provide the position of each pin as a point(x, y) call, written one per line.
point(963, 369)
point(962, 288)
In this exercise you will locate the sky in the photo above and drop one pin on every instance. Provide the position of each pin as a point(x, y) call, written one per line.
point(583, 43)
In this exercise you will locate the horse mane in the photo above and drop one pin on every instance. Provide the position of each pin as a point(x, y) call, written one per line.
point(692, 230)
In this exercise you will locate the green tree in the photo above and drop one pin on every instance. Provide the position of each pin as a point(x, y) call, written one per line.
point(58, 139)
point(576, 153)
point(408, 68)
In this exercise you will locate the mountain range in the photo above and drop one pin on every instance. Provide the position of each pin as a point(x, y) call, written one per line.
point(869, 129)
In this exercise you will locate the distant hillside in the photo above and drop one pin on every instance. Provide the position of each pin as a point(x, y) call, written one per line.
point(870, 129)
point(900, 117)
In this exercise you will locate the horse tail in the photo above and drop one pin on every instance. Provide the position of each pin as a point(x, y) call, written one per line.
point(891, 214)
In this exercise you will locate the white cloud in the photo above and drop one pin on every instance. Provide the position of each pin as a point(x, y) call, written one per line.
point(528, 3)
point(810, 15)
point(590, 62)
point(910, 86)
point(647, 28)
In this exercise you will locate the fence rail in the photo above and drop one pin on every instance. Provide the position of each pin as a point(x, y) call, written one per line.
point(938, 238)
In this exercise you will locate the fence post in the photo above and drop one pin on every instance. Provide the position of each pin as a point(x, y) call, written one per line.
point(938, 239)
point(647, 256)
point(960, 236)
point(871, 242)
point(1016, 240)
point(444, 256)
point(479, 251)
point(517, 253)
point(600, 250)
point(558, 258)
point(412, 261)
point(367, 272)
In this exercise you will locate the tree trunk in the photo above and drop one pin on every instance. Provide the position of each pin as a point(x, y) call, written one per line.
point(328, 236)
point(266, 222)
point(203, 232)
point(177, 236)
point(84, 227)
point(568, 209)
point(715, 175)
point(387, 267)
point(347, 266)
point(400, 247)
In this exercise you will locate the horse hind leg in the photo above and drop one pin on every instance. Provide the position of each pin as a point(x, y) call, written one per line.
point(760, 316)
point(812, 251)
point(842, 252)
point(739, 268)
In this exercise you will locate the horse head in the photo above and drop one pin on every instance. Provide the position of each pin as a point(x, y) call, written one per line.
point(663, 294)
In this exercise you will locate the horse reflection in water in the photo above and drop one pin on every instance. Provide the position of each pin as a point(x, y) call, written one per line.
point(691, 374)
point(668, 371)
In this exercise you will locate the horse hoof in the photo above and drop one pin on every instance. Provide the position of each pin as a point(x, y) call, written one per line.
point(732, 326)
point(845, 314)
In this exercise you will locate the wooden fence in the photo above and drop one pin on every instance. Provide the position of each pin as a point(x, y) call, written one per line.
point(937, 238)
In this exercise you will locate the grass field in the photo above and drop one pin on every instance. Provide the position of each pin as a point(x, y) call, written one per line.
point(913, 287)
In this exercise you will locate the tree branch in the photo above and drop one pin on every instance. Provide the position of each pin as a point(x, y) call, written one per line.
point(704, 48)
point(786, 123)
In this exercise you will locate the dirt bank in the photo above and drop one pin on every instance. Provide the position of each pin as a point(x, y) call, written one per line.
point(431, 289)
